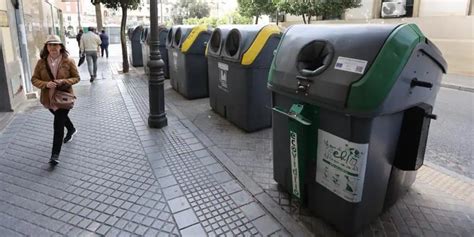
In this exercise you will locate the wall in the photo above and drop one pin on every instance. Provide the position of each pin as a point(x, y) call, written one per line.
point(41, 19)
point(363, 12)
point(443, 8)
point(12, 91)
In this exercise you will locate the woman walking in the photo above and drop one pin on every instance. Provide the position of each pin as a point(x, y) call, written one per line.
point(55, 71)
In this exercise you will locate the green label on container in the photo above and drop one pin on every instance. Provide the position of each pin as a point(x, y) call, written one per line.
point(295, 174)
point(341, 166)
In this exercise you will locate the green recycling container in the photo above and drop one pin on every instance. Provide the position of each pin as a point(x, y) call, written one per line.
point(351, 112)
point(239, 58)
point(187, 60)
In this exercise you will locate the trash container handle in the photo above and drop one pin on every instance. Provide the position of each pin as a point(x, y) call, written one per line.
point(415, 82)
point(296, 117)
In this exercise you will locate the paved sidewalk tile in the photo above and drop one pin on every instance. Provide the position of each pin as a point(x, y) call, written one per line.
point(197, 174)
point(104, 182)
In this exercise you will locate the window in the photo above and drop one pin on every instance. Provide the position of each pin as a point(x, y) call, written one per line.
point(396, 8)
point(333, 17)
point(409, 8)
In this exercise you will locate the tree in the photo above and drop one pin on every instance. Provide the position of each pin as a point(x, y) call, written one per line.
point(256, 8)
point(185, 9)
point(198, 10)
point(313, 8)
point(98, 14)
point(124, 5)
point(231, 18)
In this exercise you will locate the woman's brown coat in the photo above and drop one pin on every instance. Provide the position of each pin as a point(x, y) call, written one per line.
point(67, 72)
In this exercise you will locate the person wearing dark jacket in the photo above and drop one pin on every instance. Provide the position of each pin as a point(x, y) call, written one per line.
point(64, 74)
point(78, 38)
point(105, 44)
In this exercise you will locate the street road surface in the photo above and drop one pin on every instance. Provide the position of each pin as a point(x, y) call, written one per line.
point(450, 141)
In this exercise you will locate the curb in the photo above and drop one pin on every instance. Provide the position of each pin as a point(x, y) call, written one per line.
point(457, 87)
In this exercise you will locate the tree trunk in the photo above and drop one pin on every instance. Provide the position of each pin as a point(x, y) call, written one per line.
point(256, 19)
point(277, 14)
point(304, 18)
point(309, 19)
point(98, 16)
point(123, 40)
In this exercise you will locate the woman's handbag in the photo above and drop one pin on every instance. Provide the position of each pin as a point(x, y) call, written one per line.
point(61, 98)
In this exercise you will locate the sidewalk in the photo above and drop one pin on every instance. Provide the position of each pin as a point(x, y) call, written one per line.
point(198, 176)
point(119, 176)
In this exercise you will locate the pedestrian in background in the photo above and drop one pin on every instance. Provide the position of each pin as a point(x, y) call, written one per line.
point(90, 42)
point(78, 38)
point(64, 71)
point(105, 44)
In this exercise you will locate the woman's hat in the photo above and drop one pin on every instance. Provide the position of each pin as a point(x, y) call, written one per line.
point(53, 39)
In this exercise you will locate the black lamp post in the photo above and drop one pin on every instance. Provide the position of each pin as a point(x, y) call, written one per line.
point(157, 116)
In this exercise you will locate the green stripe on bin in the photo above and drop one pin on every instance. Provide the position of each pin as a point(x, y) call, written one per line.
point(303, 142)
point(369, 92)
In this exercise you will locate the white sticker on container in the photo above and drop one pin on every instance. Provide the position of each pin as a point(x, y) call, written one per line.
point(223, 69)
point(350, 65)
point(341, 166)
point(175, 61)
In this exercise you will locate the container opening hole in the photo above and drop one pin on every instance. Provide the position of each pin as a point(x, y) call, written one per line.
point(177, 37)
point(313, 56)
point(215, 41)
point(169, 37)
point(232, 43)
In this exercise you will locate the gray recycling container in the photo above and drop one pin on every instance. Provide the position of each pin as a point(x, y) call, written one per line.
point(135, 55)
point(129, 33)
point(162, 34)
point(145, 40)
point(187, 61)
point(351, 112)
point(239, 58)
point(172, 50)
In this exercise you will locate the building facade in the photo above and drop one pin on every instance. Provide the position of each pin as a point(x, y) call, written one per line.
point(24, 27)
point(449, 24)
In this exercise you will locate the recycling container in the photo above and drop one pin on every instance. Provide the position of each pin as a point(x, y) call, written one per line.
point(135, 56)
point(239, 58)
point(145, 42)
point(187, 61)
point(129, 33)
point(162, 34)
point(172, 50)
point(351, 112)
